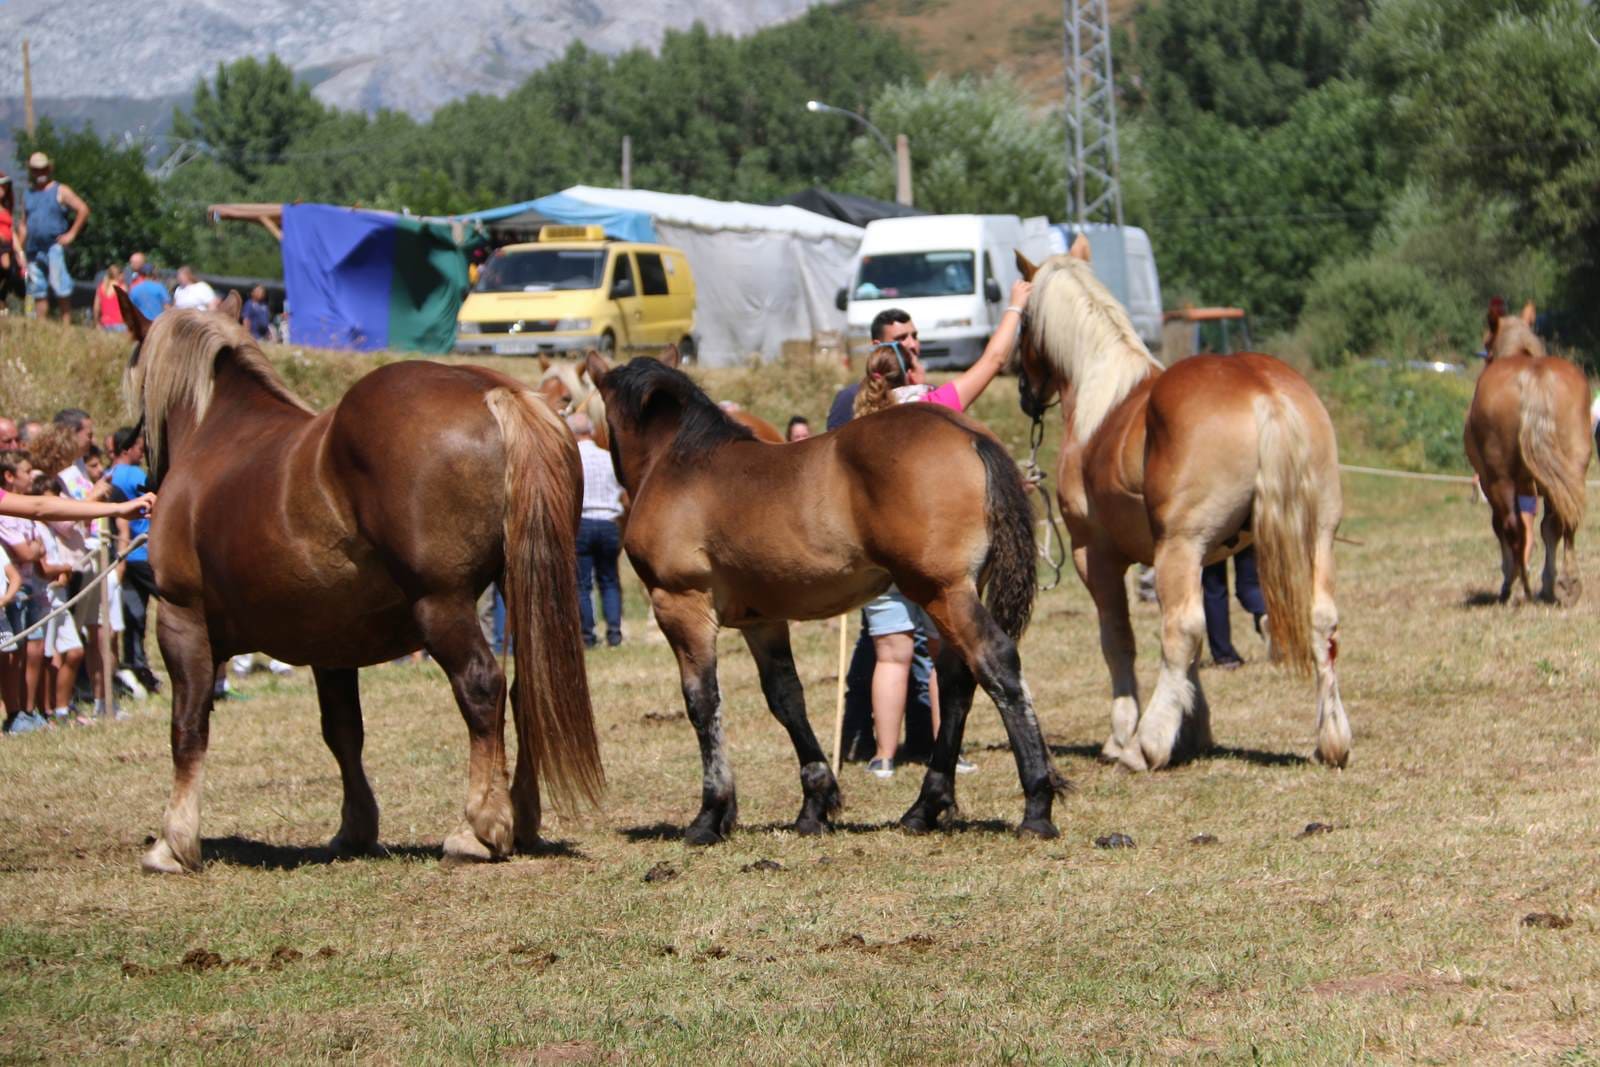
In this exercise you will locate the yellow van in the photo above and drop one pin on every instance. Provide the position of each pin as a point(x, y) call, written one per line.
point(573, 290)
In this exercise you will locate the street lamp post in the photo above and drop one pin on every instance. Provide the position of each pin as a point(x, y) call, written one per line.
point(899, 156)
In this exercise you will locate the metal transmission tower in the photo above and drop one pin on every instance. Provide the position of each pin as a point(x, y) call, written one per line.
point(1094, 186)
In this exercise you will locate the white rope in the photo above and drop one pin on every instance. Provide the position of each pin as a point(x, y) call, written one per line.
point(1461, 479)
point(88, 587)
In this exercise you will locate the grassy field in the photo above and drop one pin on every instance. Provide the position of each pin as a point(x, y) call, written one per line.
point(1402, 933)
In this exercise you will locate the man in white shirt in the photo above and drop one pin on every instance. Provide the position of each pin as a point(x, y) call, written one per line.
point(192, 292)
point(599, 536)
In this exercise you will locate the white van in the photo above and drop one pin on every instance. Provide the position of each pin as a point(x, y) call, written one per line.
point(950, 273)
point(1125, 264)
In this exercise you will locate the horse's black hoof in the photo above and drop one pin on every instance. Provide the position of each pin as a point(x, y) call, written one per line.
point(1043, 829)
point(701, 835)
point(811, 827)
point(915, 822)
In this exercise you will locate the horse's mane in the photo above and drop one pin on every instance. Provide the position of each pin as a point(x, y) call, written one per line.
point(638, 386)
point(1513, 337)
point(1088, 338)
point(176, 365)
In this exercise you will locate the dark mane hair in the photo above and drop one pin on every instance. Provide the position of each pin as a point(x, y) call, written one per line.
point(646, 389)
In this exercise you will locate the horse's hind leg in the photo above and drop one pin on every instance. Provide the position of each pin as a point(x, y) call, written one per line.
point(691, 629)
point(991, 655)
point(340, 701)
point(452, 635)
point(1333, 726)
point(786, 699)
point(1169, 726)
point(937, 798)
point(186, 648)
point(1559, 585)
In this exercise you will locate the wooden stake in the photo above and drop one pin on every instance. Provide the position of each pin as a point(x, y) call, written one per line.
point(838, 713)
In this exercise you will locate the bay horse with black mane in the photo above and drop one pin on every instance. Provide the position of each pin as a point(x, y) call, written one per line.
point(726, 530)
point(353, 536)
point(1182, 467)
point(1527, 434)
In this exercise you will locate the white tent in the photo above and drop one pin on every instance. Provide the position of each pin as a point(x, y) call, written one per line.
point(764, 275)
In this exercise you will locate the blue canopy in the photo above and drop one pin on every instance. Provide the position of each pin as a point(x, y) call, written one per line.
point(620, 223)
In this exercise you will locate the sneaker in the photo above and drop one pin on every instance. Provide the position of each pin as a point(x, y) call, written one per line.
point(83, 720)
point(881, 768)
point(613, 640)
point(242, 664)
point(129, 681)
point(148, 679)
point(24, 723)
point(121, 716)
point(1228, 663)
point(965, 766)
point(280, 668)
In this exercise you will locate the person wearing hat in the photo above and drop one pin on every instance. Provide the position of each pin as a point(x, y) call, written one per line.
point(46, 234)
point(10, 243)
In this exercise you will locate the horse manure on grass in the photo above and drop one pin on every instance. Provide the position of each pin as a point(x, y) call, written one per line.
point(661, 716)
point(1203, 839)
point(661, 872)
point(762, 865)
point(1314, 828)
point(1546, 920)
point(1114, 841)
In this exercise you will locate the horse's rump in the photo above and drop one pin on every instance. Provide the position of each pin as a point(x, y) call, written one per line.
point(1553, 434)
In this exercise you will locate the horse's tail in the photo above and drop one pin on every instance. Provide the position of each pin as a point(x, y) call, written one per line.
point(1539, 438)
point(543, 501)
point(1287, 505)
point(1011, 569)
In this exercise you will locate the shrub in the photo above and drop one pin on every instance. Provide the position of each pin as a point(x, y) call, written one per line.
point(1377, 304)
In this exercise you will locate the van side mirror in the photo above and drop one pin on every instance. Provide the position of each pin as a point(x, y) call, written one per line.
point(621, 287)
point(841, 299)
point(991, 290)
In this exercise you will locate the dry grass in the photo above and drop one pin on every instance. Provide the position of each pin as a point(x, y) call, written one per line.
point(1469, 804)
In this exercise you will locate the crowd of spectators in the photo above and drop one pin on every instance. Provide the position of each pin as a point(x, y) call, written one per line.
point(54, 675)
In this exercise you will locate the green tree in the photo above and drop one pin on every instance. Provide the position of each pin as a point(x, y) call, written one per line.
point(1245, 61)
point(976, 146)
point(249, 114)
point(125, 214)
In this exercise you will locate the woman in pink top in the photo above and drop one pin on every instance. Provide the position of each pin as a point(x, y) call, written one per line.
point(895, 375)
point(107, 312)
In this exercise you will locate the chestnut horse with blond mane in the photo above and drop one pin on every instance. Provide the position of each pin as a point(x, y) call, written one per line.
point(1181, 468)
point(353, 536)
point(726, 530)
point(1527, 434)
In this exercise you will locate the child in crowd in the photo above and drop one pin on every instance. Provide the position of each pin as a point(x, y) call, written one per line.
point(63, 647)
point(22, 665)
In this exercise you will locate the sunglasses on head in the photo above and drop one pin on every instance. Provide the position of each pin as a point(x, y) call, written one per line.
point(899, 353)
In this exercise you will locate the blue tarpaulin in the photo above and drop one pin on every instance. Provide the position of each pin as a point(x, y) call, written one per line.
point(371, 279)
point(619, 223)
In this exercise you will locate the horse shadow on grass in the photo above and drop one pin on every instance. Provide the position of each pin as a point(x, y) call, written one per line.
point(1481, 598)
point(235, 851)
point(666, 831)
point(1255, 756)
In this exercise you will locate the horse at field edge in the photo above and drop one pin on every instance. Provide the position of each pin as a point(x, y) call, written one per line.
point(1179, 468)
point(1527, 434)
point(334, 539)
point(726, 530)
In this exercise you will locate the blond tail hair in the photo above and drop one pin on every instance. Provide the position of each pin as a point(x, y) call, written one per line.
point(1285, 528)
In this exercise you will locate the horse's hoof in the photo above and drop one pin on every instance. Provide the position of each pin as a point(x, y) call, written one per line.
point(160, 859)
point(1333, 760)
point(1132, 759)
point(350, 846)
point(811, 827)
point(463, 846)
point(1043, 829)
point(915, 823)
point(701, 836)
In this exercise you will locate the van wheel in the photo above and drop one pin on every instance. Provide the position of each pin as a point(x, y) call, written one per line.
point(686, 349)
point(608, 345)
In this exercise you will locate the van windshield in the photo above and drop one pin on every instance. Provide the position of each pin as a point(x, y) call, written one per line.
point(542, 270)
point(902, 275)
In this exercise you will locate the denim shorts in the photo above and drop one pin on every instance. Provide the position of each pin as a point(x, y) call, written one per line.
point(1528, 505)
point(26, 610)
point(47, 274)
point(892, 613)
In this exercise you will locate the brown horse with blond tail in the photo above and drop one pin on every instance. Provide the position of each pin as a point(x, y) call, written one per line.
point(353, 536)
point(1527, 434)
point(1181, 468)
point(726, 530)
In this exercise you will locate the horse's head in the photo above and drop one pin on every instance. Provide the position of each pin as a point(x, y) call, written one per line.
point(1036, 379)
point(1511, 335)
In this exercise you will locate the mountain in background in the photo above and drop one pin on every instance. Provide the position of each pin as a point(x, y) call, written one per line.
point(359, 54)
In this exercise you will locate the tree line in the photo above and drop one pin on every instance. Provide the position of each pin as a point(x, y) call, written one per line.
point(1367, 171)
